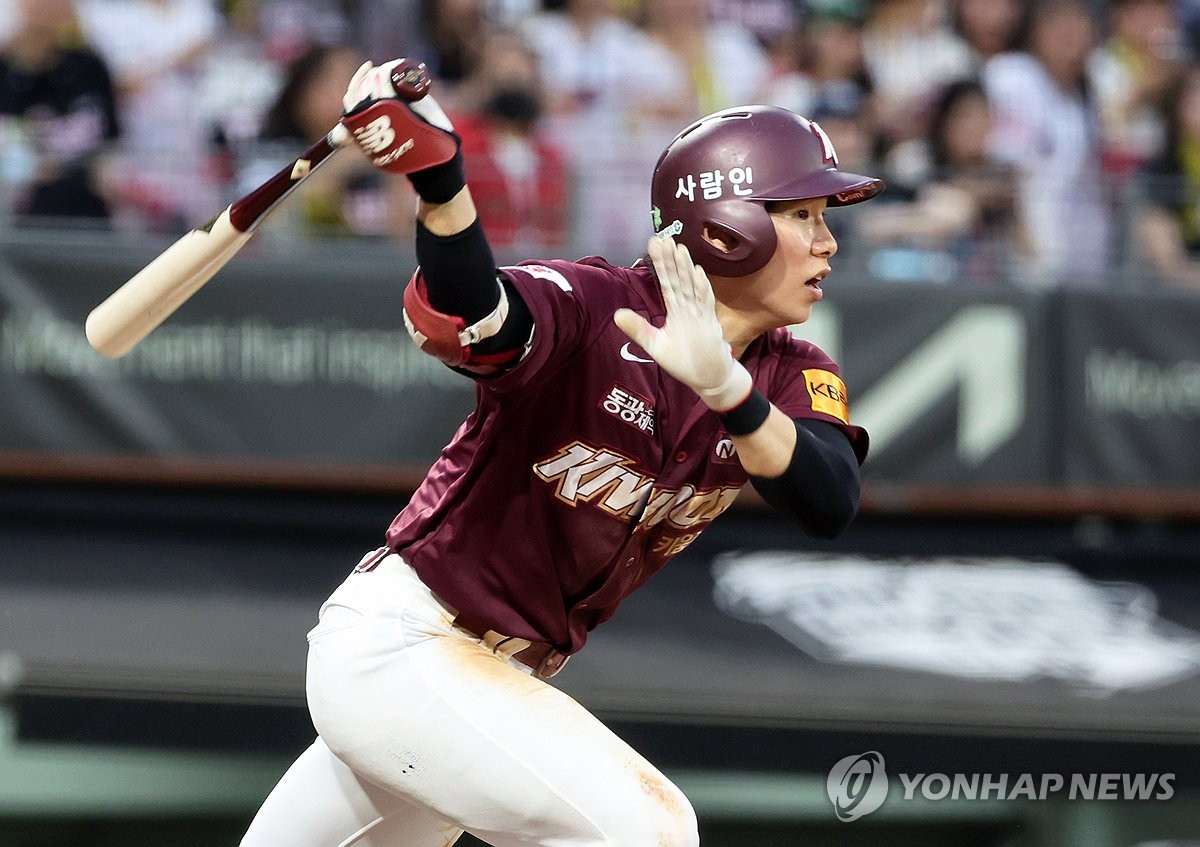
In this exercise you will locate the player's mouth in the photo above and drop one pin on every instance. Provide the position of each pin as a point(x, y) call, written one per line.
point(814, 284)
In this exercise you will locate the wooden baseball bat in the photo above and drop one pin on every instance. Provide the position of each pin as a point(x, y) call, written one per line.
point(131, 312)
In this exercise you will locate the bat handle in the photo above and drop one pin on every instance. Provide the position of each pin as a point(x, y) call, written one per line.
point(247, 212)
point(411, 79)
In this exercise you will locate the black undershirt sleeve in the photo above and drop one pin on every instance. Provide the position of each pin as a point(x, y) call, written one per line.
point(460, 277)
point(820, 488)
point(459, 272)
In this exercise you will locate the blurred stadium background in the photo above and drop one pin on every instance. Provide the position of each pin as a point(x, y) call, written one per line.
point(1016, 318)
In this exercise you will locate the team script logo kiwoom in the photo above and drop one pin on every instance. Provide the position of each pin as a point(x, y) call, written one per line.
point(586, 474)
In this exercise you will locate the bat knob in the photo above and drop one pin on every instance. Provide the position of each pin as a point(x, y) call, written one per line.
point(411, 80)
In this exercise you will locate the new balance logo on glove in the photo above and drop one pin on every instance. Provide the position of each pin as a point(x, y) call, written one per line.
point(378, 114)
point(376, 136)
point(388, 158)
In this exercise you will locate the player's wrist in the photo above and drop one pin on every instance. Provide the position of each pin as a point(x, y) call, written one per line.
point(748, 416)
point(391, 116)
point(737, 386)
point(441, 183)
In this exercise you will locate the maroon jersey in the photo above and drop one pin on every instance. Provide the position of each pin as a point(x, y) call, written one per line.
point(586, 467)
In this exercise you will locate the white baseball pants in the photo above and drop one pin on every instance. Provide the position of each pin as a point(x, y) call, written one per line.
point(425, 732)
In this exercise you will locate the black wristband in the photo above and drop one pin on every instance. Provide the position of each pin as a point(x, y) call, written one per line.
point(747, 416)
point(440, 183)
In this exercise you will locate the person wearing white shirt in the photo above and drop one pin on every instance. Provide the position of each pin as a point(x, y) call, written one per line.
point(607, 85)
point(1048, 128)
point(153, 48)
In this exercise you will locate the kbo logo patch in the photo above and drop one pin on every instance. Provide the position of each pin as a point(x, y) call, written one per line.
point(828, 393)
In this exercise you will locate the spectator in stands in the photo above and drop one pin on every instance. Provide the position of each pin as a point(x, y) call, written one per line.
point(1131, 75)
point(1047, 127)
point(8, 19)
point(723, 63)
point(303, 110)
point(767, 20)
point(57, 113)
point(384, 27)
point(910, 52)
point(1168, 228)
point(346, 196)
point(454, 34)
point(518, 176)
point(419, 29)
point(1187, 12)
point(827, 73)
point(237, 81)
point(153, 47)
point(990, 27)
point(608, 87)
point(290, 27)
point(447, 35)
point(824, 76)
point(960, 225)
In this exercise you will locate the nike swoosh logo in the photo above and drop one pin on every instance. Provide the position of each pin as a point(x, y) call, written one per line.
point(628, 356)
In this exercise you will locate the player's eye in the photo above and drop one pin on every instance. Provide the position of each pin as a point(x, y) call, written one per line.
point(801, 214)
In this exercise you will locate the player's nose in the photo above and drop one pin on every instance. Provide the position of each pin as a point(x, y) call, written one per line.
point(824, 244)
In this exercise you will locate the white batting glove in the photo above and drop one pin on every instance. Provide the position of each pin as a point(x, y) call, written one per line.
point(393, 119)
point(375, 82)
point(690, 345)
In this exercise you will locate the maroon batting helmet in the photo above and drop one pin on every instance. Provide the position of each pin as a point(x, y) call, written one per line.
point(722, 169)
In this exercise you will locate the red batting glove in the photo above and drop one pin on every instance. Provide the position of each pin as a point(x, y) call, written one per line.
point(393, 119)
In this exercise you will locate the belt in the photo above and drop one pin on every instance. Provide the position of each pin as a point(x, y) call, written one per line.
point(542, 658)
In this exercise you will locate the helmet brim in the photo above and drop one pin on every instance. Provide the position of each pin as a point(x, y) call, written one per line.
point(840, 187)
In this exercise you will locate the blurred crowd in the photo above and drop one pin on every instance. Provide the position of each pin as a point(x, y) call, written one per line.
point(1027, 143)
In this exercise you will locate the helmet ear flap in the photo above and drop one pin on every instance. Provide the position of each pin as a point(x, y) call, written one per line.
point(748, 233)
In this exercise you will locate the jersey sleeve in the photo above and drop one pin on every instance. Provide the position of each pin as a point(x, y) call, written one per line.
point(808, 384)
point(567, 300)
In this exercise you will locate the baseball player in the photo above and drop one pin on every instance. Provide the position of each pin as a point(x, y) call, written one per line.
point(620, 410)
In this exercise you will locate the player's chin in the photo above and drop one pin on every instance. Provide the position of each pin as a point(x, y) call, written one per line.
point(799, 313)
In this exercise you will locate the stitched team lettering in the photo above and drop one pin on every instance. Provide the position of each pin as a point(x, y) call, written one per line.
point(670, 546)
point(607, 479)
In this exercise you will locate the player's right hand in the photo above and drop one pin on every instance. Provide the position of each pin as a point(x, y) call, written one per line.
point(394, 120)
point(690, 346)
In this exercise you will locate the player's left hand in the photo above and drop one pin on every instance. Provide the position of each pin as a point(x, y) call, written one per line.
point(394, 120)
point(690, 345)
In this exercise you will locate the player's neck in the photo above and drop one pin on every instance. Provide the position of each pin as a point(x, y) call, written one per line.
point(738, 329)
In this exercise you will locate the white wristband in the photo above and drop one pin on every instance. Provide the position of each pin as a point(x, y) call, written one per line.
point(736, 388)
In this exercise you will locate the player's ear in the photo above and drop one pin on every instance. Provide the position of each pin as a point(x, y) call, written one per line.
point(721, 238)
